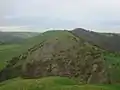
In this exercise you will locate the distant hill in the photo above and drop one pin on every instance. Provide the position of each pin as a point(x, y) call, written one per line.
point(108, 41)
point(23, 34)
point(15, 37)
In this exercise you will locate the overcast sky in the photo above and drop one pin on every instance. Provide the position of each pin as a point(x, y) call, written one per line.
point(98, 15)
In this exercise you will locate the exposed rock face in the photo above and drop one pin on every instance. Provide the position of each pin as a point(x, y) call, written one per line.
point(60, 56)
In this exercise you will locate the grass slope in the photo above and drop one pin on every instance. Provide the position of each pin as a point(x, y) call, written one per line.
point(7, 52)
point(51, 83)
point(11, 50)
point(113, 66)
point(108, 41)
point(61, 54)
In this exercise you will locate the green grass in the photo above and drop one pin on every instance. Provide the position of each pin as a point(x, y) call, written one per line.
point(52, 83)
point(7, 52)
point(113, 66)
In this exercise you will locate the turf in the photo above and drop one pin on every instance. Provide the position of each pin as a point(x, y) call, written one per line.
point(52, 83)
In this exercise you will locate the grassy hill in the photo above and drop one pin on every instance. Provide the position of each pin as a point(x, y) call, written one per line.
point(54, 53)
point(8, 51)
point(107, 41)
point(52, 83)
point(58, 53)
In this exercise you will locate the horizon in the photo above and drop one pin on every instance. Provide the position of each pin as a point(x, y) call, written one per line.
point(45, 30)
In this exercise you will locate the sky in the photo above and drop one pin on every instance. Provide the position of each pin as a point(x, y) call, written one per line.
point(41, 15)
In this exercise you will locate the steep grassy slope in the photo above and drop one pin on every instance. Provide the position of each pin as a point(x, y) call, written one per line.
point(7, 52)
point(108, 41)
point(11, 50)
point(52, 83)
point(58, 53)
point(113, 66)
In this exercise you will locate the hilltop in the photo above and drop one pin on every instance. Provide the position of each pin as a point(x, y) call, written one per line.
point(107, 41)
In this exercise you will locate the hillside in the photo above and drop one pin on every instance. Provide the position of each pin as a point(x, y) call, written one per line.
point(13, 44)
point(8, 51)
point(59, 54)
point(15, 37)
point(108, 41)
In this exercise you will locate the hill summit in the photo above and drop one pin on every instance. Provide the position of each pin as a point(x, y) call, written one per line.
point(61, 54)
point(107, 41)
